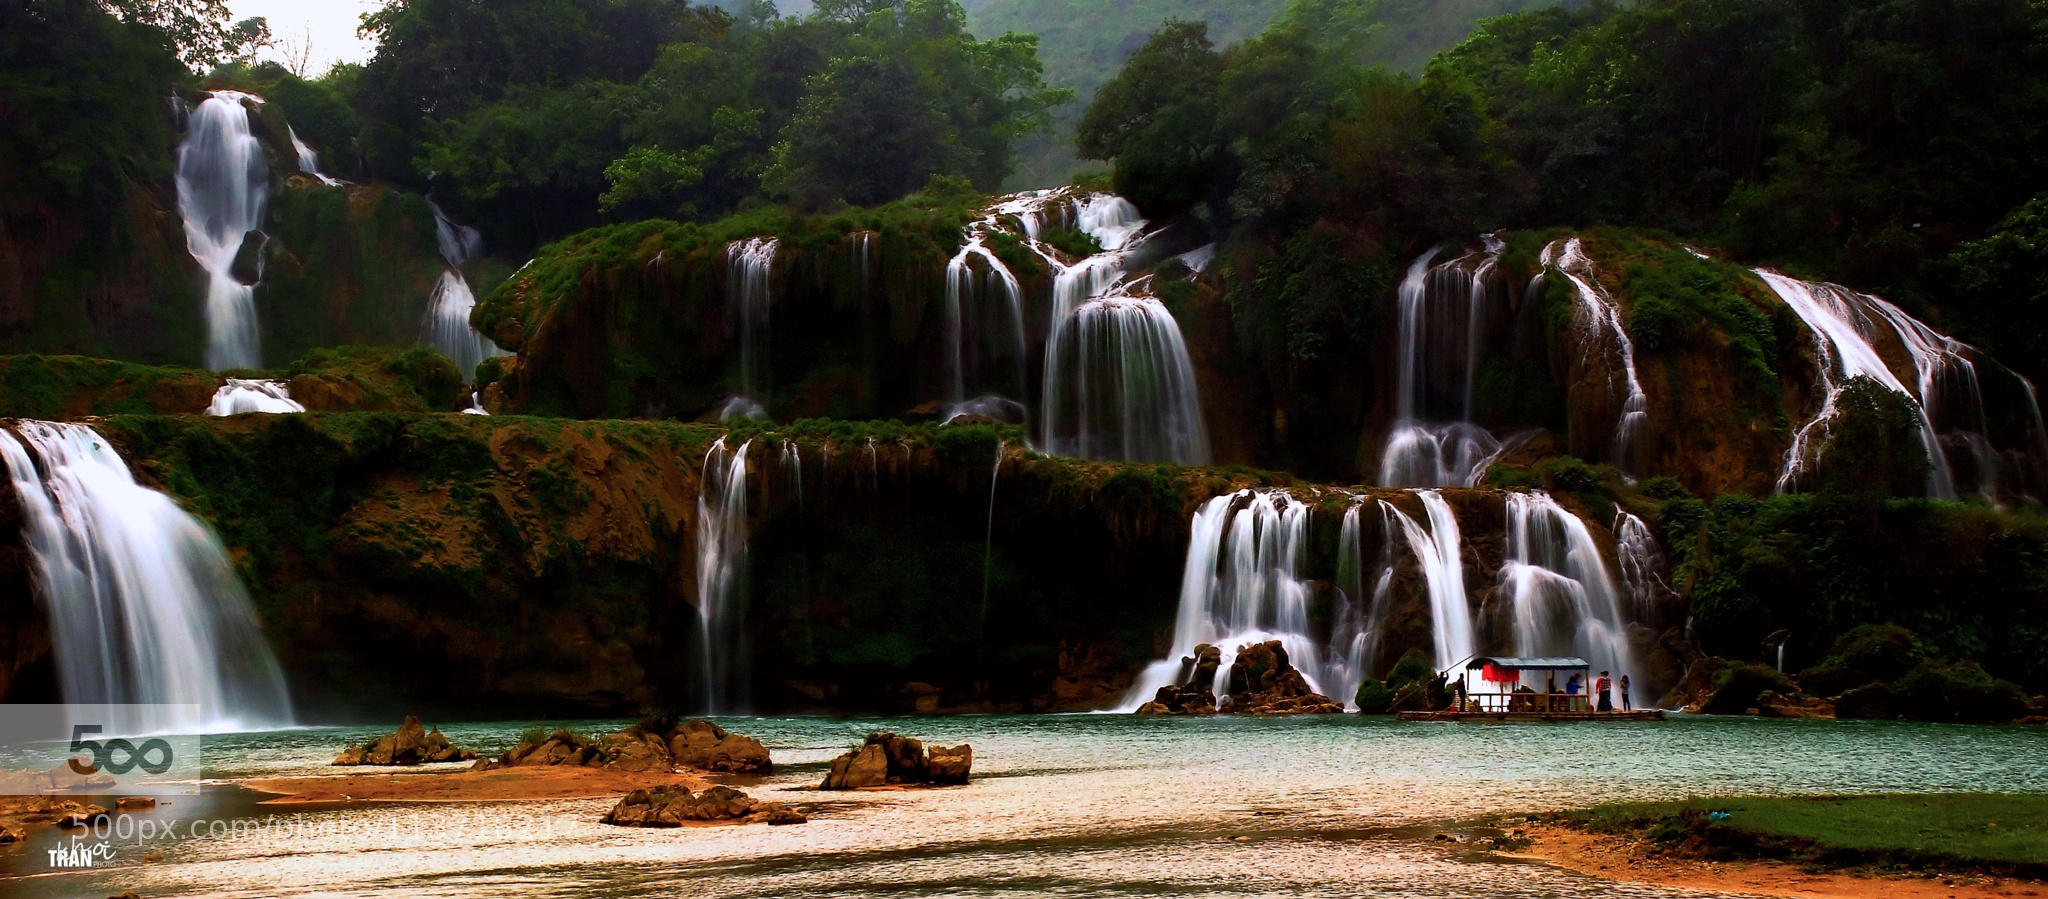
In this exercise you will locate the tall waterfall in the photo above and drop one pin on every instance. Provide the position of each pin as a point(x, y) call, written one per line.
point(446, 326)
point(1444, 307)
point(987, 345)
point(223, 189)
point(143, 604)
point(749, 267)
point(1562, 599)
point(722, 578)
point(1600, 317)
point(1439, 556)
point(1243, 583)
point(1118, 380)
point(240, 395)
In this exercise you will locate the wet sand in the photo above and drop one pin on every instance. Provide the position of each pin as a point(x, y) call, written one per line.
point(532, 782)
point(1630, 861)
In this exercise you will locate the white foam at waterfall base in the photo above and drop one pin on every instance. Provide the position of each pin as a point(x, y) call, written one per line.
point(722, 578)
point(1563, 601)
point(143, 604)
point(223, 190)
point(446, 325)
point(239, 396)
point(1243, 584)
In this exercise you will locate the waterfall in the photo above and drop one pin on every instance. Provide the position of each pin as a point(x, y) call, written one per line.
point(1640, 559)
point(721, 577)
point(476, 405)
point(1443, 308)
point(1562, 599)
point(144, 606)
point(792, 464)
point(223, 189)
point(1242, 584)
point(309, 161)
point(446, 326)
point(241, 395)
point(1119, 385)
point(1598, 314)
point(988, 542)
point(1439, 556)
point(749, 264)
point(1364, 623)
point(973, 331)
point(1118, 381)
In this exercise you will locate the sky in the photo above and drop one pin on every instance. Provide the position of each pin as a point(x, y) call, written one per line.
point(330, 25)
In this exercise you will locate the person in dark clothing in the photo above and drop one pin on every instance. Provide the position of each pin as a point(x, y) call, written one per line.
point(1625, 704)
point(1601, 687)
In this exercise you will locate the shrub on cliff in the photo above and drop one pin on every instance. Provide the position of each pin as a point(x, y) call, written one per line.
point(1737, 687)
point(1958, 691)
point(1374, 698)
point(1867, 653)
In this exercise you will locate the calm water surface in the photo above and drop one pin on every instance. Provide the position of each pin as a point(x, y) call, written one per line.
point(1081, 805)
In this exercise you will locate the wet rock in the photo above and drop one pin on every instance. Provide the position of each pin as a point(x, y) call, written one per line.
point(82, 816)
point(1263, 682)
point(674, 806)
point(134, 802)
point(1195, 694)
point(885, 759)
point(10, 834)
point(1772, 704)
point(411, 744)
point(708, 747)
point(248, 264)
point(60, 779)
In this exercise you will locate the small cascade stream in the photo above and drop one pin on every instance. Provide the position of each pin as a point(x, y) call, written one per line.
point(446, 326)
point(749, 269)
point(984, 323)
point(1599, 315)
point(241, 395)
point(223, 190)
point(1641, 562)
point(309, 161)
point(722, 579)
point(143, 604)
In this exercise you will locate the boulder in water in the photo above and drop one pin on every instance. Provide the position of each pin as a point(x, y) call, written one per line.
point(1263, 682)
point(885, 759)
point(1194, 695)
point(708, 747)
point(248, 265)
point(411, 744)
point(649, 746)
point(674, 806)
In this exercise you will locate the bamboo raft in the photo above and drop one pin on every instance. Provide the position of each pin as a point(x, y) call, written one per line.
point(1516, 703)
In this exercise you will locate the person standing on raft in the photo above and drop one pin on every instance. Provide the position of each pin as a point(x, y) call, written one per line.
point(1625, 704)
point(1601, 687)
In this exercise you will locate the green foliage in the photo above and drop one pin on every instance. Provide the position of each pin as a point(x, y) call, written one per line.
point(397, 378)
point(1873, 447)
point(1081, 244)
point(1157, 120)
point(201, 30)
point(1374, 697)
point(2000, 286)
point(1414, 666)
point(1959, 691)
point(1737, 687)
point(60, 387)
point(1866, 653)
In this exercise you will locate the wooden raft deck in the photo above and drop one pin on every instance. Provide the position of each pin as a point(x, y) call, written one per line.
point(1477, 715)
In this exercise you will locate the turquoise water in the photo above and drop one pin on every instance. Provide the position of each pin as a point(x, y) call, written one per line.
point(1085, 805)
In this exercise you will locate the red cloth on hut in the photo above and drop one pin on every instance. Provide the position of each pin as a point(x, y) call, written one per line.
point(1495, 674)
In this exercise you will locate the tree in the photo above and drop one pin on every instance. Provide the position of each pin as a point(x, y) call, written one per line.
point(199, 29)
point(1157, 121)
point(1873, 447)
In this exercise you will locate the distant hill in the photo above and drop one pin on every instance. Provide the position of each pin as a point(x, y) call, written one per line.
point(1084, 42)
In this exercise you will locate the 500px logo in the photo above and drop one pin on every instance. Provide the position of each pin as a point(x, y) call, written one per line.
point(103, 753)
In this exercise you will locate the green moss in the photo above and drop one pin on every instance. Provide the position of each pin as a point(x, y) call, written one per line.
point(60, 387)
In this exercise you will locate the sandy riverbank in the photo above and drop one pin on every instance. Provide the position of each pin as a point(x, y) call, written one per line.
point(502, 784)
point(1630, 861)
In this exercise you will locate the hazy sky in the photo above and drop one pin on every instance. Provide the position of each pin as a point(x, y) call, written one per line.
point(331, 25)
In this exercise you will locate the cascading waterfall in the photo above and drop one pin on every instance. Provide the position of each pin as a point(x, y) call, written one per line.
point(1562, 598)
point(309, 161)
point(143, 604)
point(446, 326)
point(749, 266)
point(1443, 307)
point(1640, 560)
point(1242, 584)
point(476, 405)
point(722, 577)
point(241, 395)
point(223, 190)
point(1439, 556)
point(1598, 314)
point(982, 339)
point(1118, 380)
point(792, 464)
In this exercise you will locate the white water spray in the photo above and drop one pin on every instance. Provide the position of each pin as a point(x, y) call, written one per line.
point(241, 395)
point(446, 326)
point(721, 578)
point(223, 190)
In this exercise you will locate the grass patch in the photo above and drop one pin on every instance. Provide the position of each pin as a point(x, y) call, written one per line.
point(2000, 833)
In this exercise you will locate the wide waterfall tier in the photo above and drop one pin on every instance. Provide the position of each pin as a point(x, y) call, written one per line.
point(223, 190)
point(749, 282)
point(722, 579)
point(1859, 335)
point(1447, 305)
point(446, 326)
point(1559, 593)
point(1602, 337)
point(144, 606)
point(239, 396)
point(1402, 574)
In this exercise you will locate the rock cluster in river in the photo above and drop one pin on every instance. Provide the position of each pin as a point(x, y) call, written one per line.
point(1261, 681)
point(645, 747)
point(674, 806)
point(410, 744)
point(886, 759)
